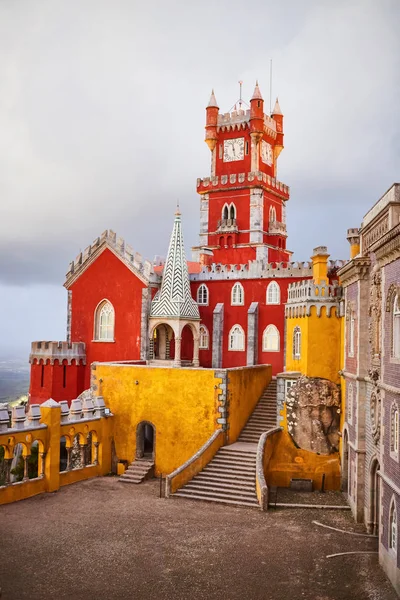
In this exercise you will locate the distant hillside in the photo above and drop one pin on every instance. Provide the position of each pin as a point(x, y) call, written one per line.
point(14, 379)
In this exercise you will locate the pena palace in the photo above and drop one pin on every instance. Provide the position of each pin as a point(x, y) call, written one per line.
point(231, 299)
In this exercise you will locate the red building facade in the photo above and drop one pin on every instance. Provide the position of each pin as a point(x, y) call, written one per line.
point(239, 278)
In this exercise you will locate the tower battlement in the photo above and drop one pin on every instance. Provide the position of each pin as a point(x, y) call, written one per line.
point(52, 351)
point(240, 119)
point(302, 295)
point(253, 270)
point(118, 244)
point(208, 184)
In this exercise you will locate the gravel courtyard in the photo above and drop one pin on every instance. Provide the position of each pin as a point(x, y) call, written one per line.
point(102, 539)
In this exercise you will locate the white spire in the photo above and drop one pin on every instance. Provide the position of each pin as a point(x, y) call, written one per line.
point(174, 300)
point(213, 101)
point(257, 93)
point(277, 108)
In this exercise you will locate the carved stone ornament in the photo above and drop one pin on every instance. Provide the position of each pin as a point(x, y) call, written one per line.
point(375, 309)
point(375, 413)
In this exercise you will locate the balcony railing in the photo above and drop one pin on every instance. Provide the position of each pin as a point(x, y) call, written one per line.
point(277, 228)
point(227, 225)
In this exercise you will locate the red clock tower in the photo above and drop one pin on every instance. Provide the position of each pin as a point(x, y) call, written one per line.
point(242, 206)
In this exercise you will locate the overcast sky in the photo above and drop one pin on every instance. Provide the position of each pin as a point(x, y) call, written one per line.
point(102, 110)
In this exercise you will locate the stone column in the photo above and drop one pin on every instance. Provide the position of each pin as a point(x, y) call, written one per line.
point(42, 459)
point(82, 448)
point(69, 452)
point(217, 338)
point(96, 453)
point(252, 334)
point(196, 344)
point(26, 477)
point(177, 360)
point(8, 470)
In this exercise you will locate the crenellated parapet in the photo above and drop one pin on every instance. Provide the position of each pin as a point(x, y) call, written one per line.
point(303, 295)
point(256, 269)
point(109, 238)
point(215, 183)
point(240, 119)
point(49, 352)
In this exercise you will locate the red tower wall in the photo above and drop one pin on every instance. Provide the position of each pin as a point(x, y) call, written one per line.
point(57, 381)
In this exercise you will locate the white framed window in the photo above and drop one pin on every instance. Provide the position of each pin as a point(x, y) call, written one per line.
point(396, 328)
point(288, 385)
point(351, 335)
point(393, 527)
point(104, 322)
point(273, 293)
point(350, 403)
point(225, 212)
point(296, 343)
point(236, 338)
point(202, 295)
point(232, 211)
point(394, 430)
point(272, 214)
point(270, 341)
point(204, 338)
point(237, 295)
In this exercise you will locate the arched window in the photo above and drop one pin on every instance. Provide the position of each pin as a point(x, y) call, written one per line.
point(104, 322)
point(273, 293)
point(394, 429)
point(232, 211)
point(396, 328)
point(237, 295)
point(204, 338)
point(225, 212)
point(202, 295)
point(296, 342)
point(272, 214)
point(270, 339)
point(393, 527)
point(350, 402)
point(236, 338)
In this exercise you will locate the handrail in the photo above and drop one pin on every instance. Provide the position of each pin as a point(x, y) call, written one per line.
point(191, 462)
point(261, 484)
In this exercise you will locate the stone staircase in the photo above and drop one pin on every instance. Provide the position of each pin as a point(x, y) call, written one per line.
point(139, 470)
point(230, 477)
point(262, 418)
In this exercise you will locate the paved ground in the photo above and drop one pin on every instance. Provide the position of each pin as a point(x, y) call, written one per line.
point(102, 539)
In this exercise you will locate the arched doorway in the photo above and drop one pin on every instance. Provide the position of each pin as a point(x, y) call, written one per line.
point(374, 497)
point(163, 342)
point(345, 464)
point(145, 440)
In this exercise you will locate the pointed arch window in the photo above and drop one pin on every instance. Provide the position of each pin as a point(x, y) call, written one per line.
point(270, 339)
point(237, 295)
point(236, 338)
point(272, 214)
point(394, 431)
point(104, 322)
point(273, 293)
point(225, 212)
point(202, 295)
point(396, 328)
point(350, 403)
point(393, 527)
point(204, 338)
point(232, 211)
point(297, 343)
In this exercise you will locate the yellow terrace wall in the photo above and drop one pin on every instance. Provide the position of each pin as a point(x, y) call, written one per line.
point(245, 387)
point(293, 364)
point(47, 431)
point(185, 406)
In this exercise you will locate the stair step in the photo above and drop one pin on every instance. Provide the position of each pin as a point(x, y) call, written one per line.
point(225, 460)
point(213, 476)
point(230, 472)
point(236, 453)
point(216, 497)
point(218, 491)
point(218, 500)
point(233, 466)
point(247, 483)
point(126, 480)
point(215, 485)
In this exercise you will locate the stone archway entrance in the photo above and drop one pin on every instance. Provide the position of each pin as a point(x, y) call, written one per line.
point(163, 342)
point(145, 440)
point(374, 497)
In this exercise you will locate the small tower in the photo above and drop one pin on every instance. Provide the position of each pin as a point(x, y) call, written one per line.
point(256, 125)
point(278, 118)
point(173, 307)
point(353, 237)
point(212, 111)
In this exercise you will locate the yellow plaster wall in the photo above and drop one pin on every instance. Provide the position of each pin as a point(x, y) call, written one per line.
point(323, 345)
point(287, 462)
point(245, 387)
point(182, 404)
point(300, 364)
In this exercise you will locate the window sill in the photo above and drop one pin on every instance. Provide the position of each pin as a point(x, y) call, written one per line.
point(205, 348)
point(263, 350)
point(242, 304)
point(236, 350)
point(103, 341)
point(350, 355)
point(272, 303)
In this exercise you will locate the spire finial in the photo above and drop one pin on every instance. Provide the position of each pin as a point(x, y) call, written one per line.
point(213, 101)
point(277, 108)
point(257, 93)
point(177, 212)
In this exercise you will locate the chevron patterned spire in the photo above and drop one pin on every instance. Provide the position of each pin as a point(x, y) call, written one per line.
point(174, 300)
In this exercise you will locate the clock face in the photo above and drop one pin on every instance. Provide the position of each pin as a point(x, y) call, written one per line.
point(266, 153)
point(234, 149)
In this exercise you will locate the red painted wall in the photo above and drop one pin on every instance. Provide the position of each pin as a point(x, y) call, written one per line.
point(56, 385)
point(107, 278)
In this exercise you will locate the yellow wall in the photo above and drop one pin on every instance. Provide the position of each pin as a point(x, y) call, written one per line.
point(287, 462)
point(320, 345)
point(245, 387)
point(182, 405)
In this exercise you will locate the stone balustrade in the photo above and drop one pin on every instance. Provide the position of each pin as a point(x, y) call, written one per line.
point(229, 225)
point(208, 183)
point(302, 291)
point(277, 228)
point(84, 426)
point(60, 351)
